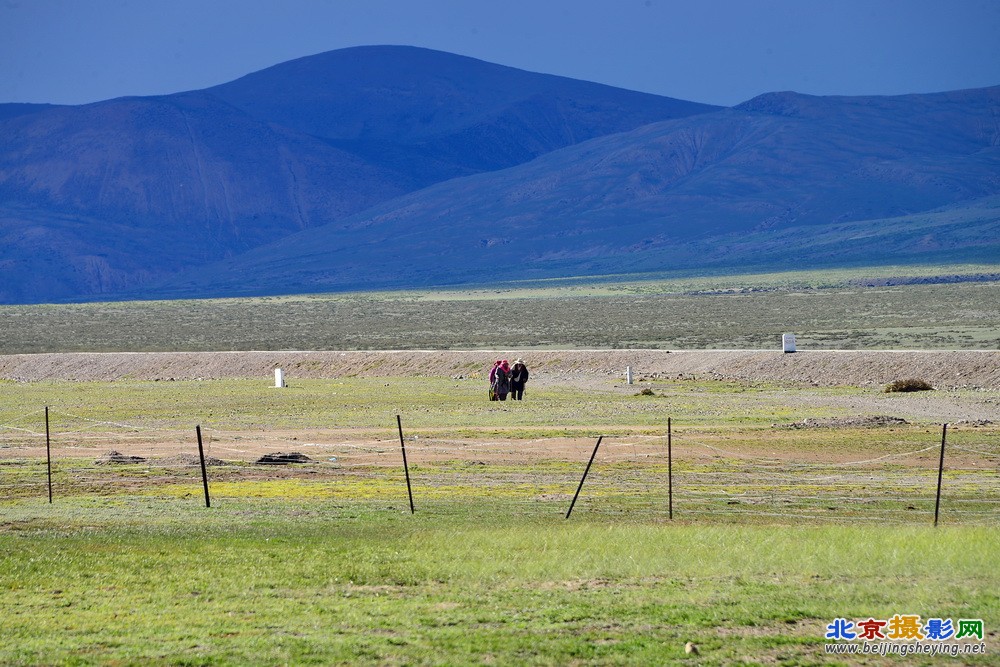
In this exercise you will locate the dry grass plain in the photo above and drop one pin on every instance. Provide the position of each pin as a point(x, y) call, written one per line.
point(913, 307)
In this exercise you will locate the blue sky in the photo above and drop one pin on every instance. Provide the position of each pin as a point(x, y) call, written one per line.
point(715, 51)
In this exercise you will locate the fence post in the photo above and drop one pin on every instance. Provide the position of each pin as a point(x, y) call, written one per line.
point(937, 500)
point(406, 468)
point(204, 473)
point(570, 511)
point(670, 471)
point(48, 452)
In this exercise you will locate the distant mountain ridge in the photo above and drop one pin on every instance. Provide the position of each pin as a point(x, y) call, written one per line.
point(398, 166)
point(783, 181)
point(444, 114)
point(107, 196)
point(12, 110)
point(103, 198)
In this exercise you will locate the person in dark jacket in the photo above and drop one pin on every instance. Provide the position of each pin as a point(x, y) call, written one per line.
point(518, 378)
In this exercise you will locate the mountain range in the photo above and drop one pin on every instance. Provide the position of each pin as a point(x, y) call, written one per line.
point(377, 167)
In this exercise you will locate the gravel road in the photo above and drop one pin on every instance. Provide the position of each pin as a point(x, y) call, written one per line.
point(943, 369)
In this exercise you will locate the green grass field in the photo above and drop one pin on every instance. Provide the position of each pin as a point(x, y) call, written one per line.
point(776, 532)
point(140, 581)
point(428, 402)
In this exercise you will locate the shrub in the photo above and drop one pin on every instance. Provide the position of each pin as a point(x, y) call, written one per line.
point(646, 392)
point(912, 384)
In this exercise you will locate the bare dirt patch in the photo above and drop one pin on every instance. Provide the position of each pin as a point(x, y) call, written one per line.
point(189, 460)
point(115, 457)
point(864, 421)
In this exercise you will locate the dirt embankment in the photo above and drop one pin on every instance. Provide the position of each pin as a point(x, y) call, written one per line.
point(943, 369)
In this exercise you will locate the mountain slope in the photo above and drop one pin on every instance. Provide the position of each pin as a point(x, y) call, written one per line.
point(783, 180)
point(104, 198)
point(436, 115)
point(12, 110)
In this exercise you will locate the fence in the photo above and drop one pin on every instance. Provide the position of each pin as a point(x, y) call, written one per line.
point(690, 473)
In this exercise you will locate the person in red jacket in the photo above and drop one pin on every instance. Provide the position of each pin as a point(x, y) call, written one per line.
point(501, 384)
point(500, 380)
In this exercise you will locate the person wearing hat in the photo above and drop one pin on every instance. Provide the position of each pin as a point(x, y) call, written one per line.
point(518, 378)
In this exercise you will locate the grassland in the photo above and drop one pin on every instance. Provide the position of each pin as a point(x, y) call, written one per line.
point(773, 536)
point(451, 406)
point(792, 505)
point(887, 308)
point(134, 581)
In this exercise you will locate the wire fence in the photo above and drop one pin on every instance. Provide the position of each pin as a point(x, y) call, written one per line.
point(692, 474)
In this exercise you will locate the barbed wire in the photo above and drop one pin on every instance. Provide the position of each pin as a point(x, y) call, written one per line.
point(131, 427)
point(785, 463)
point(23, 430)
point(975, 451)
point(516, 472)
point(10, 422)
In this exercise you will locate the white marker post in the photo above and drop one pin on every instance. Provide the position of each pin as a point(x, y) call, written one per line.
point(279, 378)
point(788, 343)
point(628, 375)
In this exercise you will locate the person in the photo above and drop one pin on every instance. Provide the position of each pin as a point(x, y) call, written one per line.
point(493, 380)
point(500, 380)
point(518, 378)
